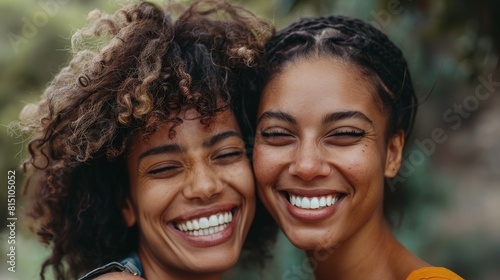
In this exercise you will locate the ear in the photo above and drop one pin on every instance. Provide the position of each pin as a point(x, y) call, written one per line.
point(128, 212)
point(394, 154)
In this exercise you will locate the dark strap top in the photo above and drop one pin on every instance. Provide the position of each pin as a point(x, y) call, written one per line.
point(130, 265)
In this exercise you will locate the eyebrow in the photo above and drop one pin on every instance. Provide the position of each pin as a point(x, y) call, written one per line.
point(170, 148)
point(337, 116)
point(175, 148)
point(277, 115)
point(331, 117)
point(219, 137)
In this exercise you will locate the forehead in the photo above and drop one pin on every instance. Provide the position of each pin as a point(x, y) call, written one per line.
point(320, 82)
point(190, 130)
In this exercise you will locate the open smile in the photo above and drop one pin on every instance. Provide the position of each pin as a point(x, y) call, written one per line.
point(315, 202)
point(311, 207)
point(206, 225)
point(207, 229)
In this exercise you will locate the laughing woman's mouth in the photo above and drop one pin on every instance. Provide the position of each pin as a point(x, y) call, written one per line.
point(312, 207)
point(208, 229)
point(313, 202)
point(206, 225)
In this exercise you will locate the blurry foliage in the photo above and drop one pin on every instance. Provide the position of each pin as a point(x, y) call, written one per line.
point(447, 44)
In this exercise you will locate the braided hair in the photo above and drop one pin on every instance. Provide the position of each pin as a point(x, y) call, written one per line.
point(356, 42)
point(367, 48)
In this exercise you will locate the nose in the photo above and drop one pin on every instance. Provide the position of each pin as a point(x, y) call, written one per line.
point(309, 163)
point(203, 185)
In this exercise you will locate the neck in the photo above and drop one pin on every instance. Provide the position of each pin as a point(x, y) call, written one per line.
point(373, 253)
point(161, 275)
point(164, 275)
point(154, 270)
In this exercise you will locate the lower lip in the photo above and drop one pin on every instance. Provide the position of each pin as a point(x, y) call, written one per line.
point(310, 215)
point(212, 239)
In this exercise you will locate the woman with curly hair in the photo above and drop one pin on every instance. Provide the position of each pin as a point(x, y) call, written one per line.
point(138, 158)
point(336, 107)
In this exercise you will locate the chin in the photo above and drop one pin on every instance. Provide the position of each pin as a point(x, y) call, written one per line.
point(305, 244)
point(310, 239)
point(216, 262)
point(214, 267)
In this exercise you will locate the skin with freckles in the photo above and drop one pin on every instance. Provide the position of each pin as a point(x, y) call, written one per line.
point(137, 147)
point(201, 171)
point(320, 133)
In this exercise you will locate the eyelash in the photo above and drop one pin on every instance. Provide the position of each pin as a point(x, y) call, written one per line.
point(221, 157)
point(271, 134)
point(341, 133)
point(349, 133)
point(162, 169)
point(228, 155)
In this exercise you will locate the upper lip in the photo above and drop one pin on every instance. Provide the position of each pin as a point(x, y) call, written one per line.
point(204, 212)
point(311, 192)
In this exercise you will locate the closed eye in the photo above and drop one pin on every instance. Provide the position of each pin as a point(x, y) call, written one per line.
point(275, 134)
point(164, 170)
point(277, 137)
point(228, 156)
point(348, 133)
point(345, 137)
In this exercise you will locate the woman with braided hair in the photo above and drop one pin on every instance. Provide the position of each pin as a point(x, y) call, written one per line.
point(337, 105)
point(138, 160)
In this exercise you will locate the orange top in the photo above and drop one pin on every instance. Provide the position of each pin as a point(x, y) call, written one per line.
point(433, 273)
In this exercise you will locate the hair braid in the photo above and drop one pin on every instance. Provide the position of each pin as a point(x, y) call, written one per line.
point(365, 47)
point(357, 42)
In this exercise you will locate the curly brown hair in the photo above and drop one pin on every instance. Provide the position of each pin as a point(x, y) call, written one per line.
point(130, 73)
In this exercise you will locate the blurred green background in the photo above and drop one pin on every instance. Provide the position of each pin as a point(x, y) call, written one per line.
point(451, 183)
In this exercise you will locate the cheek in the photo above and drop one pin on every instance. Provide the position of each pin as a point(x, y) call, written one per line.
point(241, 178)
point(362, 166)
point(247, 183)
point(266, 165)
point(154, 198)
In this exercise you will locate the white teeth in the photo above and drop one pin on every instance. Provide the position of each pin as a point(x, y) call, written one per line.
point(313, 202)
point(213, 221)
point(206, 225)
point(203, 223)
point(329, 200)
point(306, 204)
point(322, 202)
point(298, 202)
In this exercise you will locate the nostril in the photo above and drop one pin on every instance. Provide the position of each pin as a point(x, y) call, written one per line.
point(308, 169)
point(204, 188)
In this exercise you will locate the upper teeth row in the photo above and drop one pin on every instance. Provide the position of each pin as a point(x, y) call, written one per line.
point(313, 202)
point(206, 222)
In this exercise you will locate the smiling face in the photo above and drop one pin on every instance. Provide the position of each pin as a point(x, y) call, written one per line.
point(192, 197)
point(321, 154)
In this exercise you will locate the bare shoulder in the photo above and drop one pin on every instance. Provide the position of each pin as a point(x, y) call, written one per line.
point(118, 276)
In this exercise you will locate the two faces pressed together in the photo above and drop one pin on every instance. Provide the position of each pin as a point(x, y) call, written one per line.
point(336, 103)
point(326, 140)
point(320, 158)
